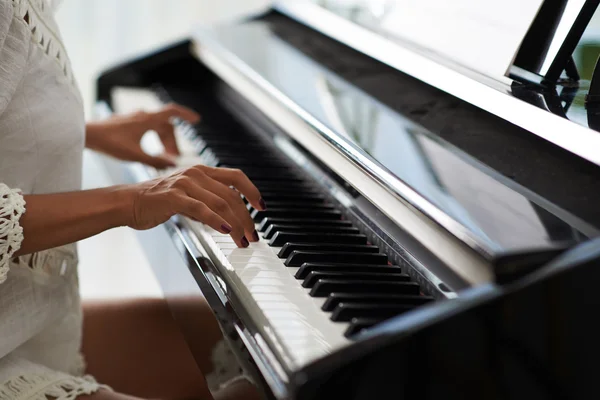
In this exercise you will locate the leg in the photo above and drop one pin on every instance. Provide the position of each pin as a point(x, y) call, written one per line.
point(135, 347)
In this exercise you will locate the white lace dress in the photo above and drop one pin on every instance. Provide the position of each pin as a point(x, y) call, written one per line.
point(41, 142)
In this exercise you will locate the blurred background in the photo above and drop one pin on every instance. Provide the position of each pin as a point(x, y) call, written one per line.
point(99, 34)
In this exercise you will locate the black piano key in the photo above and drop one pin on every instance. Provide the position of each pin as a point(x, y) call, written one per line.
point(306, 201)
point(259, 170)
point(229, 154)
point(325, 287)
point(359, 324)
point(347, 311)
point(245, 149)
point(280, 176)
point(314, 277)
point(307, 268)
point(227, 147)
point(290, 247)
point(307, 213)
point(281, 238)
point(267, 222)
point(282, 179)
point(277, 205)
point(200, 147)
point(258, 162)
point(306, 196)
point(235, 159)
point(273, 229)
point(217, 138)
point(297, 258)
point(293, 188)
point(242, 164)
point(303, 202)
point(285, 187)
point(380, 298)
point(300, 204)
point(269, 174)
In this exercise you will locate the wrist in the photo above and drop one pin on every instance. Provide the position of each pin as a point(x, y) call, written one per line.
point(93, 132)
point(122, 198)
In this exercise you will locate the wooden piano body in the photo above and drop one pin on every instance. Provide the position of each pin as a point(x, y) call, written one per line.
point(463, 184)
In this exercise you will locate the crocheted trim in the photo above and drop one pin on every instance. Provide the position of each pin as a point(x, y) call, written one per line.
point(47, 387)
point(12, 207)
point(44, 32)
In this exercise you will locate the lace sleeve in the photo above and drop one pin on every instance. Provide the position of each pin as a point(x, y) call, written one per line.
point(12, 207)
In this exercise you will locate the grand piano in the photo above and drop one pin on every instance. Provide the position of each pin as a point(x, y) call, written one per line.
point(431, 173)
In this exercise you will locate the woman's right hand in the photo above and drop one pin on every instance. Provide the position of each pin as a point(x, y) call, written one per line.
point(205, 194)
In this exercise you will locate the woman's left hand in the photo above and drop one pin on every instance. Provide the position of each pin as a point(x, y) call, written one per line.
point(121, 136)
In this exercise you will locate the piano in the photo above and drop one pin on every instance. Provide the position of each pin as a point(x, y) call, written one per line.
point(432, 221)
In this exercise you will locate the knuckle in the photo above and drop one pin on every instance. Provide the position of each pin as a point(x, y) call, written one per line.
point(238, 172)
point(221, 206)
point(141, 115)
point(200, 170)
point(194, 173)
point(234, 196)
point(169, 108)
point(183, 181)
point(203, 211)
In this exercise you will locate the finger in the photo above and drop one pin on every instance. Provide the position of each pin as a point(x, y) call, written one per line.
point(235, 203)
point(177, 111)
point(221, 207)
point(166, 133)
point(200, 212)
point(239, 180)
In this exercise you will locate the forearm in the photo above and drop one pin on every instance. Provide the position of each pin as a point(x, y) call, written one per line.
point(53, 220)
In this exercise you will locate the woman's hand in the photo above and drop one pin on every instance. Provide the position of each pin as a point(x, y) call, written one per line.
point(205, 194)
point(121, 136)
point(202, 193)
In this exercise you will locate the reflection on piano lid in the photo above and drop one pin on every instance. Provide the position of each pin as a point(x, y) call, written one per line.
point(493, 215)
point(484, 86)
point(450, 27)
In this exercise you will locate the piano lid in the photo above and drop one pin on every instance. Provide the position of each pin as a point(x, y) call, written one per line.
point(541, 110)
point(488, 212)
point(484, 36)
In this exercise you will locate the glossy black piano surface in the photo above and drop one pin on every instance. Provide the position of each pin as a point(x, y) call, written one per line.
point(498, 215)
point(512, 195)
point(533, 163)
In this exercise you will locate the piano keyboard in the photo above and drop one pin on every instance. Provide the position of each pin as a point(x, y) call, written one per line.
point(314, 280)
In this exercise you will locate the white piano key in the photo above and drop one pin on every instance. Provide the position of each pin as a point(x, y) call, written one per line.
point(289, 319)
point(271, 293)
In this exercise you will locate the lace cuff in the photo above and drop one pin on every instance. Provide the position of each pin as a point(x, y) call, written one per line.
point(52, 385)
point(12, 207)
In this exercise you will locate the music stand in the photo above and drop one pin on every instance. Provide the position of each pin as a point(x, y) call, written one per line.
point(547, 49)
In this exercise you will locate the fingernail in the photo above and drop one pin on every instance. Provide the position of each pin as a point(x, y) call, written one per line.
point(226, 228)
point(262, 203)
point(255, 236)
point(245, 242)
